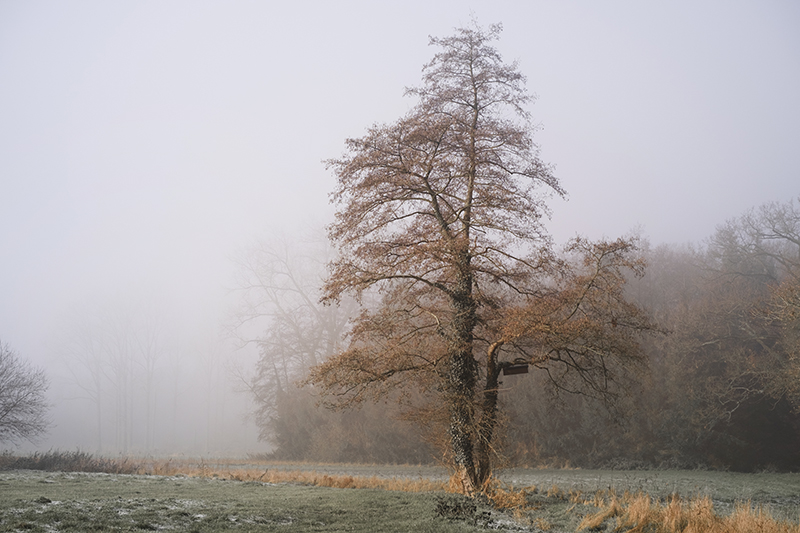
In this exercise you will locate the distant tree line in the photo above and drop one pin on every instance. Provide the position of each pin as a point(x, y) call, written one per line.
point(142, 384)
point(720, 386)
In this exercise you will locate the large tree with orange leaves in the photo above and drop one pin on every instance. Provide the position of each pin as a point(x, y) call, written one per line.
point(441, 215)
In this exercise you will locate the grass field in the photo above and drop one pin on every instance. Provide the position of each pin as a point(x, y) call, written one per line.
point(182, 495)
point(778, 493)
point(52, 501)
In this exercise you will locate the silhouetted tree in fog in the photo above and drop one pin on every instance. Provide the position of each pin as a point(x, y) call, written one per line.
point(135, 365)
point(280, 312)
point(23, 406)
point(765, 244)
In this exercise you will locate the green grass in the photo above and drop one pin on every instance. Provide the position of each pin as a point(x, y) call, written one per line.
point(50, 501)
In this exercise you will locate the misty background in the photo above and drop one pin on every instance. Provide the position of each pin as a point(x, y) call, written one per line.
point(145, 145)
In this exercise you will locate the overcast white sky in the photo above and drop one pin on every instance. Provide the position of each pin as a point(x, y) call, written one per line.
point(143, 143)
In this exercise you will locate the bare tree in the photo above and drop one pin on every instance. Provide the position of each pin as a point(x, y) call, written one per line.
point(23, 407)
point(441, 214)
point(114, 354)
point(730, 367)
point(149, 347)
point(83, 352)
point(280, 282)
point(761, 250)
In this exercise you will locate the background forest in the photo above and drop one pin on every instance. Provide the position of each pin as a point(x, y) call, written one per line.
point(720, 387)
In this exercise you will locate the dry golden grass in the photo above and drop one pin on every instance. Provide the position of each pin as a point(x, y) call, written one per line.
point(305, 477)
point(555, 492)
point(639, 513)
point(506, 497)
point(595, 520)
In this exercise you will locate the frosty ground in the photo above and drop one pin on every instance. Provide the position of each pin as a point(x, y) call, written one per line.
point(58, 501)
point(54, 501)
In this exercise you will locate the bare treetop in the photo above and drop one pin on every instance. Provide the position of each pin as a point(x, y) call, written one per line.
point(469, 74)
point(458, 175)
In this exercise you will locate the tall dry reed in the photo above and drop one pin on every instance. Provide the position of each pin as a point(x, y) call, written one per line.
point(640, 513)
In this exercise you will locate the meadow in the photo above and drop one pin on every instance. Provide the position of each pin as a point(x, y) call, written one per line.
point(45, 501)
point(50, 493)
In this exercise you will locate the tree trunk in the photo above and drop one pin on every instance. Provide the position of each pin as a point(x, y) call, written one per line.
point(488, 421)
point(462, 381)
point(462, 378)
point(486, 433)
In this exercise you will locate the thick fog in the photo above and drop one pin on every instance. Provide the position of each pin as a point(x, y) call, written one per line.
point(144, 145)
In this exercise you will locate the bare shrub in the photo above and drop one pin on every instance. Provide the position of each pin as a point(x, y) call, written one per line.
point(77, 461)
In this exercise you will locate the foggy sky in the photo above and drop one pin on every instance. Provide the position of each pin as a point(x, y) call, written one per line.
point(143, 143)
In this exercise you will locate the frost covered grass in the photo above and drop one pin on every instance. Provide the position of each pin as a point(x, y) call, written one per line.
point(54, 501)
point(249, 495)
